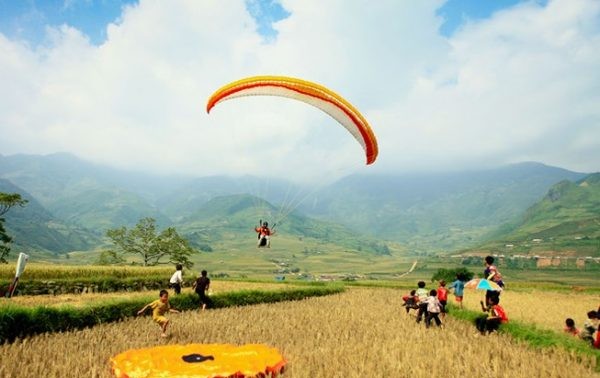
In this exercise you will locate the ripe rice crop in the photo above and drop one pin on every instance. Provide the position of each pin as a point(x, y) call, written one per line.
point(546, 309)
point(359, 333)
point(48, 272)
point(90, 298)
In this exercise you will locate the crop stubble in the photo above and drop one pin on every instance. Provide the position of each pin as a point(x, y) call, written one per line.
point(359, 333)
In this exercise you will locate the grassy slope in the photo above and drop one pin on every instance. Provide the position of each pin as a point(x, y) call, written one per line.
point(566, 221)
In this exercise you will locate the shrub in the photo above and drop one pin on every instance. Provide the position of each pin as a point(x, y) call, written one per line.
point(17, 321)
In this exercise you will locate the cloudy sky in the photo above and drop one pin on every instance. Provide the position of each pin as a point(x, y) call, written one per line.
point(444, 84)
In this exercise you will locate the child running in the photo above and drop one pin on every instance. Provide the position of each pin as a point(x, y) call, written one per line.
point(459, 288)
point(442, 296)
point(421, 295)
point(159, 308)
point(201, 285)
point(434, 308)
point(410, 301)
point(177, 279)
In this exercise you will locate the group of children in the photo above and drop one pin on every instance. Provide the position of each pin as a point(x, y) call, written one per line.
point(432, 305)
point(590, 327)
point(161, 306)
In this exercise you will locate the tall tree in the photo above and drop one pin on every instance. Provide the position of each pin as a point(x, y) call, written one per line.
point(7, 201)
point(167, 247)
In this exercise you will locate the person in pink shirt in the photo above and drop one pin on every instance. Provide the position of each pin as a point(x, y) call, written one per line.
point(442, 296)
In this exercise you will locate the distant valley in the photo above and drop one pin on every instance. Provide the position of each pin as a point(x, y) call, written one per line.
point(72, 203)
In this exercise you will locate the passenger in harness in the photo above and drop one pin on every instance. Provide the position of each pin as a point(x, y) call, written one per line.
point(264, 235)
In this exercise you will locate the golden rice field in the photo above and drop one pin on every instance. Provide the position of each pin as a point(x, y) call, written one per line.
point(547, 309)
point(46, 271)
point(362, 332)
point(75, 300)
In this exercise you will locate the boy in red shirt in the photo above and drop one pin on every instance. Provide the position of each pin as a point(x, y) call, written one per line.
point(496, 316)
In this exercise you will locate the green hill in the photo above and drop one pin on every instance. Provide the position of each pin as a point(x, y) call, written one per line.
point(228, 221)
point(35, 228)
point(102, 208)
point(566, 220)
point(437, 211)
point(425, 211)
point(189, 198)
point(82, 193)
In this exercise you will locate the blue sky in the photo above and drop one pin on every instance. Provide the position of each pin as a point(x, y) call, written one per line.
point(456, 12)
point(28, 19)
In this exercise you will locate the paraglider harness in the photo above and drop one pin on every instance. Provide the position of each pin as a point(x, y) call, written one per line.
point(264, 231)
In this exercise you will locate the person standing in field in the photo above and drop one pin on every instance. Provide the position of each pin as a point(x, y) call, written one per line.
point(434, 307)
point(159, 308)
point(442, 296)
point(570, 327)
point(491, 271)
point(459, 288)
point(421, 295)
point(177, 279)
point(201, 285)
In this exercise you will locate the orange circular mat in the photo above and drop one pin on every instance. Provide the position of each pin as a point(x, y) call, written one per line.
point(199, 360)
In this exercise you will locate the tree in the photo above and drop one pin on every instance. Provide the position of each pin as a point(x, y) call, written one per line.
point(7, 201)
point(168, 247)
point(449, 275)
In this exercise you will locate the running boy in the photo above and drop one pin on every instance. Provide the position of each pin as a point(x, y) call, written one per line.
point(201, 285)
point(177, 279)
point(410, 301)
point(421, 295)
point(159, 308)
point(459, 288)
point(434, 308)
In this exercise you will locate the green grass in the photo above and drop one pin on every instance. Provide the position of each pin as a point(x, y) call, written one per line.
point(534, 336)
point(20, 321)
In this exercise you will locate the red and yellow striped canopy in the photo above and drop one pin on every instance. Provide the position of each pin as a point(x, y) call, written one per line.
point(311, 93)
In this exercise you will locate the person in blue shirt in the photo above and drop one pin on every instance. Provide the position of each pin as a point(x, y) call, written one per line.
point(459, 288)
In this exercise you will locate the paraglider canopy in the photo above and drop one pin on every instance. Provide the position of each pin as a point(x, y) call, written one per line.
point(311, 93)
point(199, 361)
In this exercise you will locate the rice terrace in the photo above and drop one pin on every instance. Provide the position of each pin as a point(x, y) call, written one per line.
point(360, 329)
point(299, 188)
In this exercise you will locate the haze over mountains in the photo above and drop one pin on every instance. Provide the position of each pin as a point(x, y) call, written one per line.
point(72, 203)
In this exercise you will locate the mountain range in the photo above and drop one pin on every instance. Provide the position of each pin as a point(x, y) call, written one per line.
point(73, 202)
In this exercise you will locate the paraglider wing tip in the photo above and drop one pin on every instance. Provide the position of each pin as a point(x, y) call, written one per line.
point(371, 159)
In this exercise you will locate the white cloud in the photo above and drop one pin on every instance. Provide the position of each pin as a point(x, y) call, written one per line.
point(521, 85)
